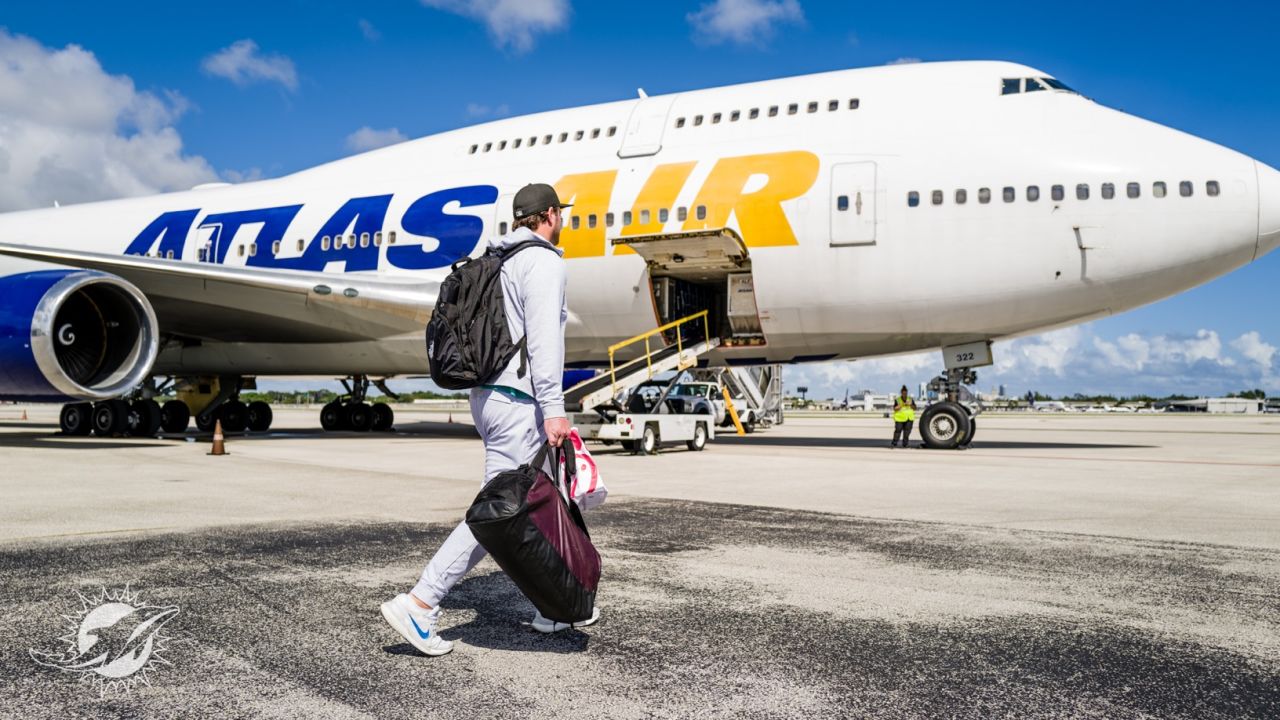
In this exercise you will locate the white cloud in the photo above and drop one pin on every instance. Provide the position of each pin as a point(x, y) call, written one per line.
point(369, 31)
point(743, 22)
point(477, 110)
point(367, 138)
point(904, 61)
point(243, 64)
point(511, 23)
point(71, 132)
point(1252, 347)
point(1073, 360)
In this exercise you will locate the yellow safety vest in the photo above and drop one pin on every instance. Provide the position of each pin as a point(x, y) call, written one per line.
point(902, 410)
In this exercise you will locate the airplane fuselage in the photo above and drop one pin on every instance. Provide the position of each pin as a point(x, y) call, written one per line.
point(886, 210)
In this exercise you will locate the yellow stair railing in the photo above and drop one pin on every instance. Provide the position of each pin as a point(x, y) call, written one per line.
point(648, 353)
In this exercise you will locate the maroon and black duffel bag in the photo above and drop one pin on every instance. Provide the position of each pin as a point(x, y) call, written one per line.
point(539, 538)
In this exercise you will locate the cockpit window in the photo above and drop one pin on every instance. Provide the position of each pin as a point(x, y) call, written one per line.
point(1013, 86)
point(1056, 84)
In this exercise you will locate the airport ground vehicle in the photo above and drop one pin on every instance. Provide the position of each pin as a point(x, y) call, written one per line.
point(651, 417)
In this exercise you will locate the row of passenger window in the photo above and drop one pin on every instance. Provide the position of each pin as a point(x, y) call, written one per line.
point(1058, 192)
point(594, 134)
point(772, 111)
point(643, 217)
point(326, 243)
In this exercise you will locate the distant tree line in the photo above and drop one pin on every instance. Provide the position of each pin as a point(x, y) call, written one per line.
point(1255, 394)
point(321, 397)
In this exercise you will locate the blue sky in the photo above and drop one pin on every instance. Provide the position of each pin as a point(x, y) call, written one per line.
point(168, 93)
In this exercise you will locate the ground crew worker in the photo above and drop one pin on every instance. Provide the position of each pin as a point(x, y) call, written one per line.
point(515, 412)
point(904, 416)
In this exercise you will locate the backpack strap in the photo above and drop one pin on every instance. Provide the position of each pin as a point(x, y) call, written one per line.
point(506, 254)
point(503, 256)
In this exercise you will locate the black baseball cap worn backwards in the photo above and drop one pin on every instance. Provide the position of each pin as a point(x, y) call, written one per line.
point(536, 198)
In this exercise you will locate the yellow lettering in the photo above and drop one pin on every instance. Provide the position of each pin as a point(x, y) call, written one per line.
point(659, 193)
point(761, 221)
point(589, 193)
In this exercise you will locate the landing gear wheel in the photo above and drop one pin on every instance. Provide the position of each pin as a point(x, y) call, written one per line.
point(76, 419)
point(146, 418)
point(207, 422)
point(359, 417)
point(944, 425)
point(699, 440)
point(332, 417)
point(260, 416)
point(973, 428)
point(110, 417)
point(174, 416)
point(383, 417)
point(649, 442)
point(234, 415)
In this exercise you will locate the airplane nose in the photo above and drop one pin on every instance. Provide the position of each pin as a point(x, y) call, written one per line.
point(1268, 209)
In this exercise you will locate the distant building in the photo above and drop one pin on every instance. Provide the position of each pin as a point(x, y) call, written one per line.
point(1221, 406)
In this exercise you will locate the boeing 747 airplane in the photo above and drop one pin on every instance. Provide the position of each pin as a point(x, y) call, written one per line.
point(798, 212)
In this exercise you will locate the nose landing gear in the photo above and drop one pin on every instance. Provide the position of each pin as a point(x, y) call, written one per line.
point(949, 424)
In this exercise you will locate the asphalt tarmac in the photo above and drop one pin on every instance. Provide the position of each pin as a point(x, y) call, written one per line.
point(1068, 567)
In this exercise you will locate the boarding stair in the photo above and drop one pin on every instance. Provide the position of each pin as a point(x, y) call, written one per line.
point(679, 346)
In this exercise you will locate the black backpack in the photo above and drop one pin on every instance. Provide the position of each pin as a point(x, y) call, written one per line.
point(467, 337)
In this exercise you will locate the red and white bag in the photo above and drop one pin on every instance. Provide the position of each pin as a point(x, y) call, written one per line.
point(588, 489)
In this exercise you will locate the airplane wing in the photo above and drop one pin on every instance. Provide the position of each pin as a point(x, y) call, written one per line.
point(237, 304)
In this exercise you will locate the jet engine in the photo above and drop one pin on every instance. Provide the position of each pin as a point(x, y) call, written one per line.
point(78, 334)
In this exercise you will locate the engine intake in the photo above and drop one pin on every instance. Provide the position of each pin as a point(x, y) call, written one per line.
point(86, 335)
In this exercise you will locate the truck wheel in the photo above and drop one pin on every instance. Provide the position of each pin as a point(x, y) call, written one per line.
point(699, 440)
point(630, 446)
point(749, 425)
point(650, 441)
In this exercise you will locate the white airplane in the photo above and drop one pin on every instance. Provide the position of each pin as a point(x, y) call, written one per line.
point(799, 212)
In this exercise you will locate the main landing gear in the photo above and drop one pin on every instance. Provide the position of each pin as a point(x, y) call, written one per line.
point(949, 424)
point(351, 412)
point(236, 416)
point(144, 416)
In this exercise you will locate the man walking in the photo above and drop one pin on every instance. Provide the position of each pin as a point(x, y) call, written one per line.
point(515, 412)
point(904, 416)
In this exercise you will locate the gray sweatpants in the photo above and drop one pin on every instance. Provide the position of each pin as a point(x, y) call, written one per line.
point(512, 431)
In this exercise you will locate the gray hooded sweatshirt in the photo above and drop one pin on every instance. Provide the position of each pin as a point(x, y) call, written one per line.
point(533, 287)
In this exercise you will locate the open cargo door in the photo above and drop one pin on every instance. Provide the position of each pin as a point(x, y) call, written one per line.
point(702, 270)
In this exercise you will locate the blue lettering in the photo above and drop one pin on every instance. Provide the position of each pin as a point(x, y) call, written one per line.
point(170, 229)
point(274, 223)
point(456, 235)
point(367, 214)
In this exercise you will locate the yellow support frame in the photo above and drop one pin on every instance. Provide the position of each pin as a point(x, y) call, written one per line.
point(733, 412)
point(648, 353)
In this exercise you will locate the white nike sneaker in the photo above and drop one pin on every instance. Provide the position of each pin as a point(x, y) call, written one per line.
point(543, 625)
point(418, 626)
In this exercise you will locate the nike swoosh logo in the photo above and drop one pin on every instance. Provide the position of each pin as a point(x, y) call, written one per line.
point(423, 635)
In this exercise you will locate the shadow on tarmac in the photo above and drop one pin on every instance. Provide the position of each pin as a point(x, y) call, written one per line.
point(778, 441)
point(52, 439)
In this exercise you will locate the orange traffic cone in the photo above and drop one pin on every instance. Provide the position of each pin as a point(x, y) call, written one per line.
point(219, 443)
point(450, 418)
